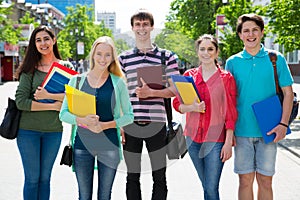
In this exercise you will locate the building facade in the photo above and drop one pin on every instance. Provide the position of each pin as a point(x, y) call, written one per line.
point(63, 4)
point(109, 19)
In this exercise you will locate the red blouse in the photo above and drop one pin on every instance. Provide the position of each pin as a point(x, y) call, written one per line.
point(219, 94)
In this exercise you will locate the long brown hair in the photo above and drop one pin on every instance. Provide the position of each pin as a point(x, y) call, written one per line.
point(32, 55)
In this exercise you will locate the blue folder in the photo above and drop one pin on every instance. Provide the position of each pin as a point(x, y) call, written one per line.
point(185, 79)
point(268, 115)
point(55, 85)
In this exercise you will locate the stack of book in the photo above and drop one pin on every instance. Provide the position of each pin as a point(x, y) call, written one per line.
point(55, 80)
point(186, 89)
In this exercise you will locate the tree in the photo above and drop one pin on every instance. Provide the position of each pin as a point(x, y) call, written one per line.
point(231, 43)
point(8, 33)
point(121, 45)
point(187, 20)
point(285, 23)
point(26, 19)
point(79, 18)
point(178, 43)
point(191, 17)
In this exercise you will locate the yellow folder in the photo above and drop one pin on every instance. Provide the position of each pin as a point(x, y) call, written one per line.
point(80, 103)
point(187, 92)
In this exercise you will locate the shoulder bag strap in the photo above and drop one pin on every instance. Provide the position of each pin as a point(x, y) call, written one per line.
point(273, 58)
point(167, 101)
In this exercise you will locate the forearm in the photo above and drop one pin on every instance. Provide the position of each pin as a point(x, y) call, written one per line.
point(229, 136)
point(37, 106)
point(183, 108)
point(57, 97)
point(107, 125)
point(287, 104)
point(165, 93)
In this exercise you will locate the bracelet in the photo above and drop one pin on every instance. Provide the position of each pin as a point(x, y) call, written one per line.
point(283, 124)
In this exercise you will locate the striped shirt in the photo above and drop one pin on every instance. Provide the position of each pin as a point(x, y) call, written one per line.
point(152, 109)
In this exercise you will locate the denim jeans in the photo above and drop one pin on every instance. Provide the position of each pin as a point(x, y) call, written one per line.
point(84, 163)
point(206, 159)
point(38, 152)
point(154, 135)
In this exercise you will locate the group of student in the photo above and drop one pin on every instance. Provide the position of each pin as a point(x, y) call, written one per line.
point(124, 121)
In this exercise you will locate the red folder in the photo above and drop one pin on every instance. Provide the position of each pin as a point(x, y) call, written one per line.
point(59, 66)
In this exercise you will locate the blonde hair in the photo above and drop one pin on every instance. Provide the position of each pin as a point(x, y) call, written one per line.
point(114, 67)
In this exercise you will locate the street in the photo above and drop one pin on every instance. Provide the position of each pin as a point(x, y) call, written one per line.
point(183, 182)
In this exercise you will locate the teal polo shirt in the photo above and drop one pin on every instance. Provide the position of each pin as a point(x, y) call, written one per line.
point(254, 76)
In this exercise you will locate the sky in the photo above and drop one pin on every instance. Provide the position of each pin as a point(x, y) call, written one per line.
point(125, 8)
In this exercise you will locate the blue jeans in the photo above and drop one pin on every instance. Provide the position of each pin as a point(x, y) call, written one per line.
point(207, 162)
point(38, 152)
point(261, 156)
point(84, 163)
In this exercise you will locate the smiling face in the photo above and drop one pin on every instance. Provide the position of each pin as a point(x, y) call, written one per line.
point(44, 43)
point(207, 52)
point(251, 35)
point(142, 29)
point(103, 56)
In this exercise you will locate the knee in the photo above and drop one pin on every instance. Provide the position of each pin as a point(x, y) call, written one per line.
point(246, 180)
point(133, 177)
point(264, 181)
point(159, 175)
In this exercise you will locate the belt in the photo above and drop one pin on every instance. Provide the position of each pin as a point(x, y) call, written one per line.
point(142, 122)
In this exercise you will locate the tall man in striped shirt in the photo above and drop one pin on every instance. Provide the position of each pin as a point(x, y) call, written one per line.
point(148, 106)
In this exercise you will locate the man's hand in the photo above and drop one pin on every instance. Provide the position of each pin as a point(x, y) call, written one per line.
point(143, 92)
point(280, 132)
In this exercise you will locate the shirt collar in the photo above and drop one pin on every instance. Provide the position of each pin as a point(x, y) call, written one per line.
point(262, 52)
point(154, 50)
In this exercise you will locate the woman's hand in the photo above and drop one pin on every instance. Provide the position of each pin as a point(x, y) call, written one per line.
point(194, 107)
point(123, 141)
point(226, 152)
point(198, 107)
point(96, 128)
point(41, 93)
point(89, 120)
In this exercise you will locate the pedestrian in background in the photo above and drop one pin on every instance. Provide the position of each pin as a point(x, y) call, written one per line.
point(254, 75)
point(149, 114)
point(40, 130)
point(211, 122)
point(99, 138)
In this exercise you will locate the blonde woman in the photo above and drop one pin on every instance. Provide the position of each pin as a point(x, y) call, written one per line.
point(100, 137)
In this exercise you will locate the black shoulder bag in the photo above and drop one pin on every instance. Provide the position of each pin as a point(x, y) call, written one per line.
point(294, 113)
point(67, 156)
point(175, 140)
point(10, 125)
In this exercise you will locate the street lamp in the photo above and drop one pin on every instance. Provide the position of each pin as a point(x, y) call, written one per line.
point(79, 45)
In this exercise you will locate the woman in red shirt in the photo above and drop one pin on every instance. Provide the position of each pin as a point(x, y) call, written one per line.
point(210, 123)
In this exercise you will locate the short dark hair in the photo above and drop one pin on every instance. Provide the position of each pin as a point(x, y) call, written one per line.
point(142, 14)
point(249, 17)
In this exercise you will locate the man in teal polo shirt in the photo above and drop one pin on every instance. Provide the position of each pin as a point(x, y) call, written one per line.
point(254, 75)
